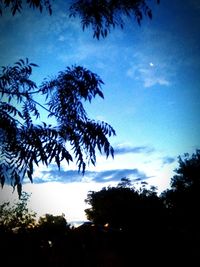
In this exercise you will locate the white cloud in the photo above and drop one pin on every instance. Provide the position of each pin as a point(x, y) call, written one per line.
point(151, 81)
point(149, 74)
point(86, 50)
point(61, 38)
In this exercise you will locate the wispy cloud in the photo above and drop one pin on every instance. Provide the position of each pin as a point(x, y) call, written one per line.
point(116, 175)
point(71, 176)
point(55, 175)
point(83, 50)
point(148, 70)
point(124, 149)
point(168, 160)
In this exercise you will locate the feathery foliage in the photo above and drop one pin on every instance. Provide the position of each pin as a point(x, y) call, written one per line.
point(104, 15)
point(25, 143)
point(101, 15)
point(17, 217)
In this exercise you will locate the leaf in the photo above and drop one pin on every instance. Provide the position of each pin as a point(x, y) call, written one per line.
point(34, 65)
point(57, 160)
point(2, 180)
point(149, 14)
point(19, 189)
point(30, 176)
point(27, 143)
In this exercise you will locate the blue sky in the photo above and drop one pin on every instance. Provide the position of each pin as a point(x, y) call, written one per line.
point(151, 90)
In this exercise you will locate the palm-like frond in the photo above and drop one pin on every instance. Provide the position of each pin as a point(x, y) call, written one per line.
point(25, 144)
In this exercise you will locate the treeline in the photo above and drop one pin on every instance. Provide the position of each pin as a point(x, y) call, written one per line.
point(127, 227)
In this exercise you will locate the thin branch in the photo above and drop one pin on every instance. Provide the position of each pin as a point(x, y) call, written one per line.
point(26, 95)
point(35, 92)
point(21, 93)
point(37, 103)
point(11, 118)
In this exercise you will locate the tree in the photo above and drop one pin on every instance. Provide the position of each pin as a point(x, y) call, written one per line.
point(101, 15)
point(188, 173)
point(182, 200)
point(124, 207)
point(16, 6)
point(185, 185)
point(25, 144)
point(52, 225)
point(131, 216)
point(17, 217)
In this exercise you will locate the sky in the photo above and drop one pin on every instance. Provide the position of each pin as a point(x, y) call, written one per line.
point(151, 95)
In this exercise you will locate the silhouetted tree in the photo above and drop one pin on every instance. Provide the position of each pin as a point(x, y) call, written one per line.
point(188, 173)
point(124, 207)
point(101, 15)
point(183, 199)
point(52, 226)
point(16, 6)
point(25, 143)
point(17, 240)
point(134, 219)
point(182, 203)
point(17, 217)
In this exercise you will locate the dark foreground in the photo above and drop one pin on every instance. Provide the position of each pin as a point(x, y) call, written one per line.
point(94, 246)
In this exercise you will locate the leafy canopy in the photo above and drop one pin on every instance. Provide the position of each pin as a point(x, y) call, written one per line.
point(101, 15)
point(24, 143)
point(17, 217)
point(74, 136)
point(52, 226)
point(185, 185)
point(123, 207)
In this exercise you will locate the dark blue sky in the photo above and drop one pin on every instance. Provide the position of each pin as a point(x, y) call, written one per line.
point(151, 90)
